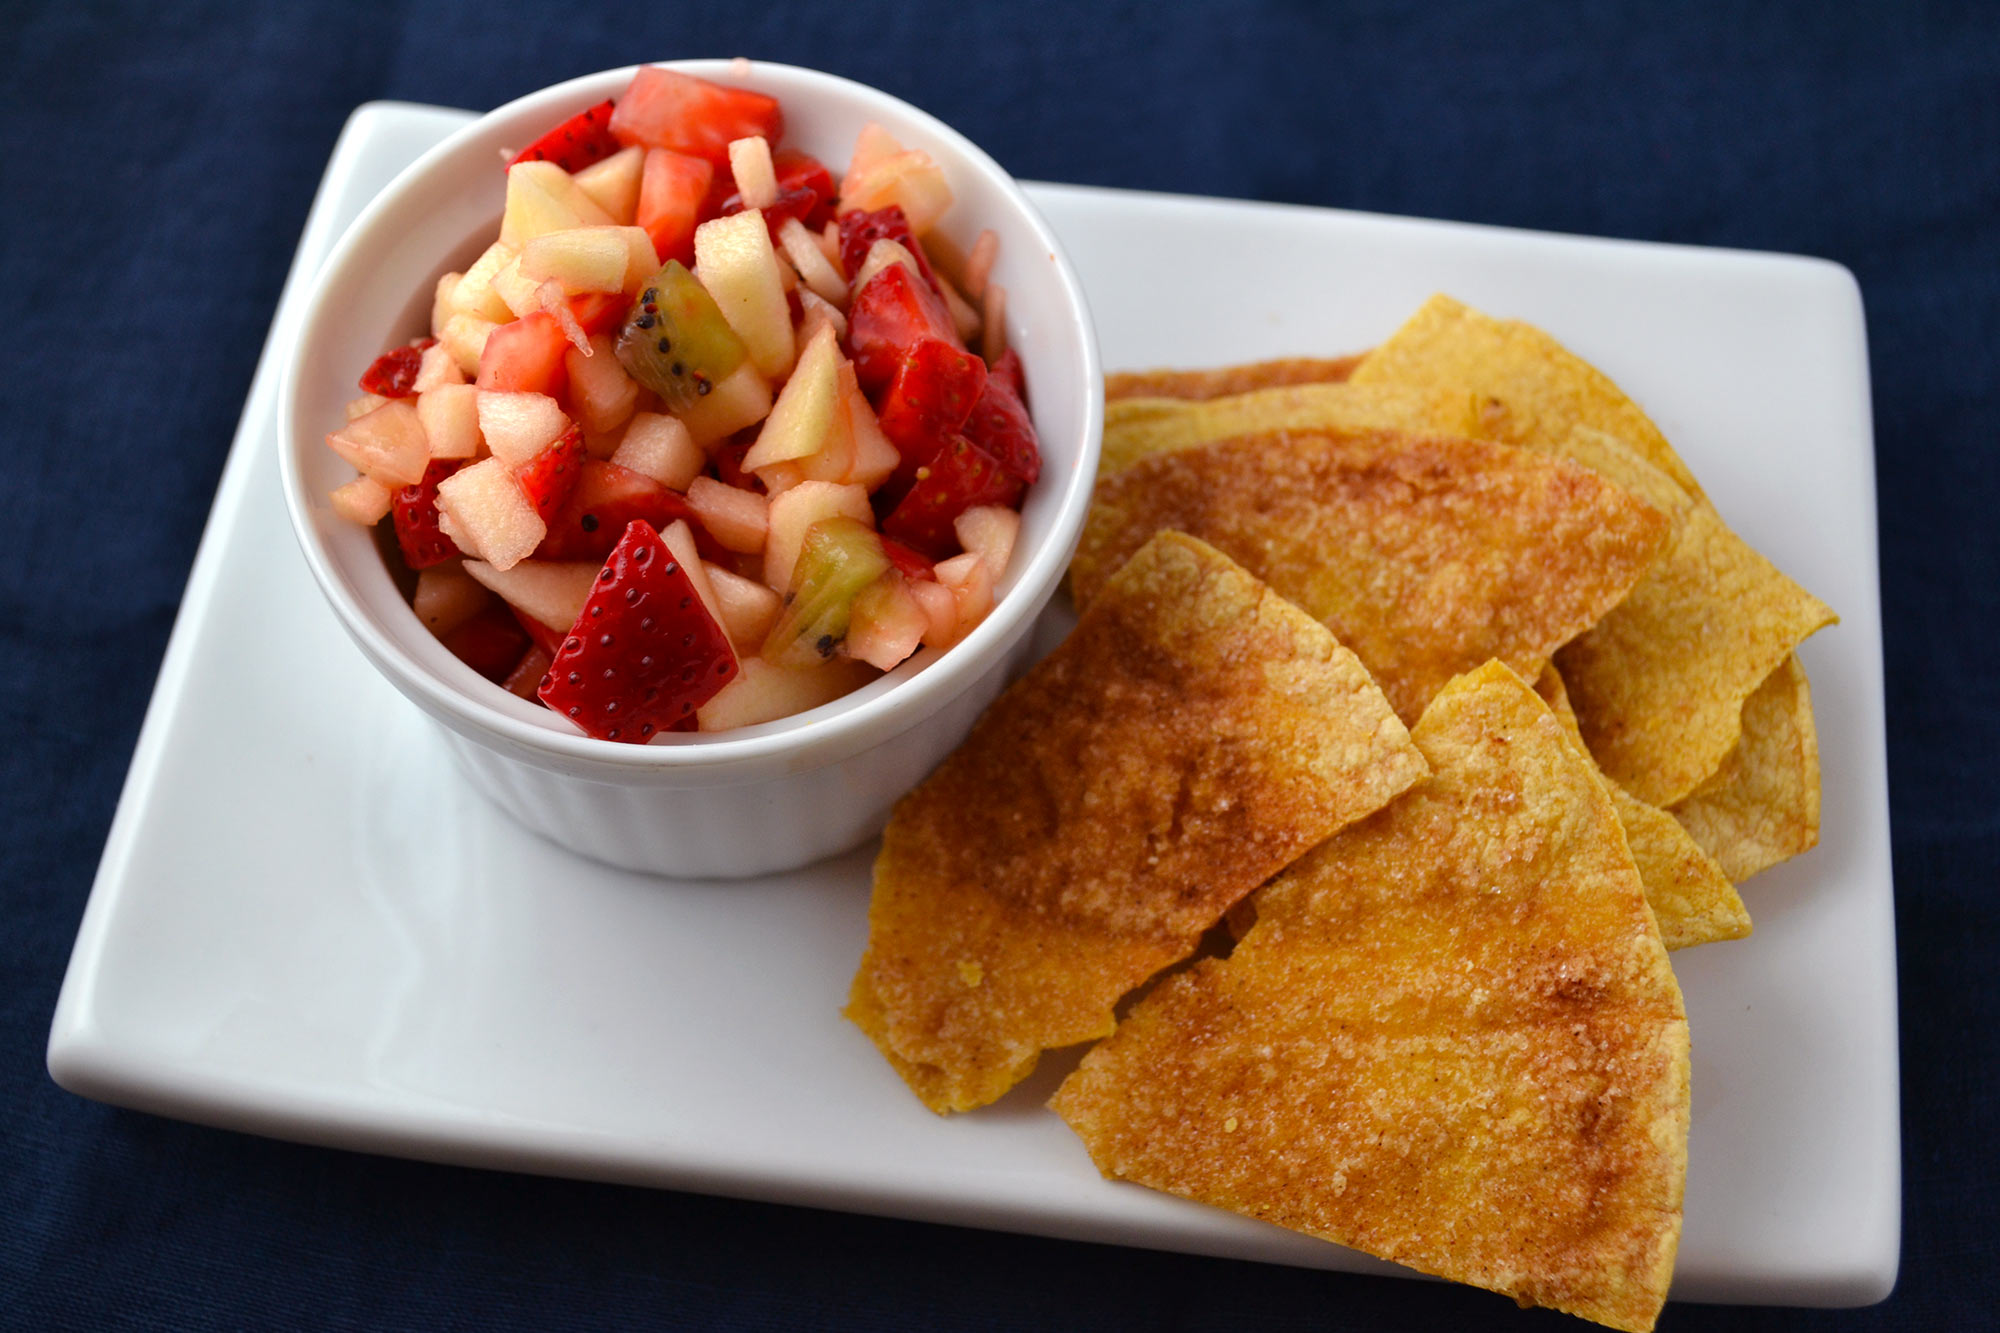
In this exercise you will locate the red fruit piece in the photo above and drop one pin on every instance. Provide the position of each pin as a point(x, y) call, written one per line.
point(599, 312)
point(933, 393)
point(576, 143)
point(414, 511)
point(728, 459)
point(526, 677)
point(394, 373)
point(805, 192)
point(645, 653)
point(960, 476)
point(666, 109)
point(859, 230)
point(544, 638)
point(526, 356)
point(491, 643)
point(672, 193)
point(1008, 370)
point(607, 498)
point(908, 563)
point(887, 318)
point(1000, 425)
point(550, 477)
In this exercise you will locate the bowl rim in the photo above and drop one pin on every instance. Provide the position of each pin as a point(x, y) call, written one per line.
point(879, 710)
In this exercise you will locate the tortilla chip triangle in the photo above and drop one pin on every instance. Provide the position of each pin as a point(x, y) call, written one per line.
point(1451, 1039)
point(1138, 427)
point(1194, 735)
point(1227, 380)
point(1763, 806)
point(1425, 555)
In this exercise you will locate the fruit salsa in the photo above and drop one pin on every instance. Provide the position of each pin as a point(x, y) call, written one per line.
point(704, 438)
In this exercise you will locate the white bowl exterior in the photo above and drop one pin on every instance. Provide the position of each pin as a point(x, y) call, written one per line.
point(376, 289)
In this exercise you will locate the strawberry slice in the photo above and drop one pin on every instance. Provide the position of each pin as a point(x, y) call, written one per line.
point(933, 393)
point(887, 318)
point(394, 373)
point(526, 356)
point(908, 563)
point(672, 193)
point(551, 476)
point(859, 230)
point(491, 643)
point(1000, 425)
point(663, 108)
point(645, 653)
point(607, 498)
point(960, 476)
point(576, 143)
point(1008, 369)
point(414, 511)
point(599, 312)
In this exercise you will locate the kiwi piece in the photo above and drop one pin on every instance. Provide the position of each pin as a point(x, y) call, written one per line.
point(676, 341)
point(839, 558)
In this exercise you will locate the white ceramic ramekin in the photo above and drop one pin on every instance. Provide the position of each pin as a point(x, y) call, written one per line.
point(760, 799)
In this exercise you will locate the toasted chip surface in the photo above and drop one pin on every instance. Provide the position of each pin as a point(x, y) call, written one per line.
point(1138, 427)
point(1193, 735)
point(1764, 807)
point(1451, 1039)
point(1691, 896)
point(1223, 381)
point(1537, 389)
point(1425, 555)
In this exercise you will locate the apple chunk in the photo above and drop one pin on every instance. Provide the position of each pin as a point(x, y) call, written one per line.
point(550, 591)
point(735, 261)
point(541, 198)
point(807, 412)
point(490, 515)
point(792, 513)
point(517, 426)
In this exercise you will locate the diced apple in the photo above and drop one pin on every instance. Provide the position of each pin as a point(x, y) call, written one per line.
point(659, 446)
point(964, 317)
point(735, 262)
point(450, 417)
point(763, 693)
point(792, 513)
point(989, 532)
point(882, 254)
point(362, 406)
point(816, 314)
point(887, 624)
point(387, 443)
point(541, 198)
point(742, 398)
point(489, 513)
point(466, 336)
point(442, 308)
point(550, 591)
point(641, 261)
point(872, 146)
point(438, 367)
point(517, 426)
point(600, 390)
point(971, 586)
point(678, 538)
point(750, 165)
point(475, 294)
point(807, 410)
point(737, 518)
point(554, 303)
point(875, 459)
point(447, 597)
point(363, 500)
point(748, 608)
point(613, 184)
point(582, 259)
point(910, 180)
point(514, 289)
point(940, 610)
point(820, 275)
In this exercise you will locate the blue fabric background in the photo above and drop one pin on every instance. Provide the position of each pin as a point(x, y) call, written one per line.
point(159, 162)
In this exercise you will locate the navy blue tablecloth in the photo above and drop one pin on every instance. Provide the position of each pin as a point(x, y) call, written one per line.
point(158, 164)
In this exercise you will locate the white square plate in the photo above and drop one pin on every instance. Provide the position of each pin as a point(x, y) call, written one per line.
point(305, 926)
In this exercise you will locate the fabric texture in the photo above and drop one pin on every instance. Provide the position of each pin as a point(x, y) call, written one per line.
point(162, 159)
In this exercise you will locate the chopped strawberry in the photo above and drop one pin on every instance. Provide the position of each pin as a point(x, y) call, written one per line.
point(576, 143)
point(491, 643)
point(526, 356)
point(728, 459)
point(933, 393)
point(414, 511)
point(666, 109)
point(1008, 370)
point(599, 312)
point(960, 476)
point(999, 424)
point(908, 563)
point(528, 673)
point(672, 192)
point(544, 638)
point(607, 498)
point(551, 476)
point(859, 230)
point(394, 373)
point(887, 318)
point(645, 653)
